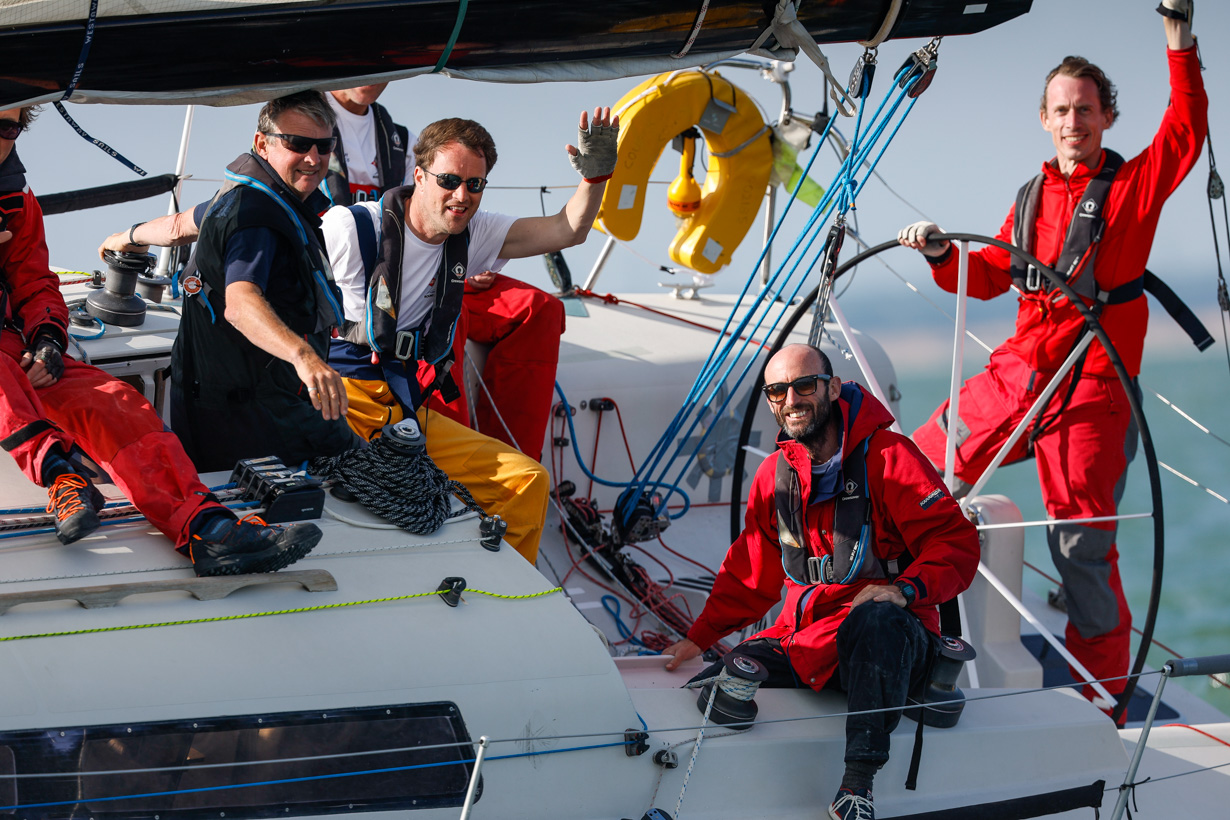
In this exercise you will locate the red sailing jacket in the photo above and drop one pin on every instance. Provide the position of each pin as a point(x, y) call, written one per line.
point(912, 513)
point(33, 291)
point(1046, 331)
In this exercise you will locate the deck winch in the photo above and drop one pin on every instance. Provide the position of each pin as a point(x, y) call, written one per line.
point(942, 700)
point(117, 303)
point(736, 684)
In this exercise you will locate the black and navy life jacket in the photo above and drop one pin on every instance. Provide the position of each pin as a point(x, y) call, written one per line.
point(398, 352)
point(852, 557)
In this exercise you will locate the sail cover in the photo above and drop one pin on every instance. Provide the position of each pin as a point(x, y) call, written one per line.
point(228, 52)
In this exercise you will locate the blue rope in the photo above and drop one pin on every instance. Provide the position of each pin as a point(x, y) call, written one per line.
point(849, 180)
point(727, 338)
point(127, 519)
point(611, 604)
point(102, 329)
point(581, 459)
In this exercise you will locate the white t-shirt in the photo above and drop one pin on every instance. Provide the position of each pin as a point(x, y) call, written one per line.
point(358, 133)
point(420, 260)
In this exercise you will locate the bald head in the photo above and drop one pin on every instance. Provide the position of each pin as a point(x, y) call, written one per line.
point(798, 359)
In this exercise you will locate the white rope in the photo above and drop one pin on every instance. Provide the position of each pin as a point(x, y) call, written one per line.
point(700, 736)
point(478, 377)
point(1097, 519)
point(1194, 482)
point(886, 26)
point(354, 522)
point(1195, 423)
point(696, 27)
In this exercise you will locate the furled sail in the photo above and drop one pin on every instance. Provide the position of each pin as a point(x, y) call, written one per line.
point(226, 52)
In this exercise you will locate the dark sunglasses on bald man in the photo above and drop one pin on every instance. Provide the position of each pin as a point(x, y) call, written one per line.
point(451, 182)
point(803, 386)
point(301, 145)
point(9, 129)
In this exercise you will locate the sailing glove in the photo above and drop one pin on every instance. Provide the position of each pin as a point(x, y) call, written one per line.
point(1177, 9)
point(49, 351)
point(597, 150)
point(918, 236)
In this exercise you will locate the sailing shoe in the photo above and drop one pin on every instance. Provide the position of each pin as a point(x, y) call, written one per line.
point(75, 503)
point(852, 805)
point(225, 546)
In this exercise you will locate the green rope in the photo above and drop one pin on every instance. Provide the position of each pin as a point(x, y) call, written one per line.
point(274, 612)
point(452, 40)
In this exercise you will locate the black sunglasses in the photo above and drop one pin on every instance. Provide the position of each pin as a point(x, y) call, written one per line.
point(451, 182)
point(301, 145)
point(803, 386)
point(9, 129)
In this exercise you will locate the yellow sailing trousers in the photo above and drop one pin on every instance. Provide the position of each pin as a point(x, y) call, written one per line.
point(504, 481)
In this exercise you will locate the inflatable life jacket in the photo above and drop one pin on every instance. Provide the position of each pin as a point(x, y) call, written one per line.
point(853, 534)
point(381, 252)
point(740, 159)
point(380, 247)
point(1079, 252)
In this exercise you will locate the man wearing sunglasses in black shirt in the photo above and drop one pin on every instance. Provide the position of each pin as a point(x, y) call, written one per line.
point(54, 407)
point(862, 584)
point(249, 372)
point(519, 323)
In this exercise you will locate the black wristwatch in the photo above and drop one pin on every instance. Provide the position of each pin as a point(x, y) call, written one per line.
point(907, 590)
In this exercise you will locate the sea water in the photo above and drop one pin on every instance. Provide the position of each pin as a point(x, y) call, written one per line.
point(1194, 614)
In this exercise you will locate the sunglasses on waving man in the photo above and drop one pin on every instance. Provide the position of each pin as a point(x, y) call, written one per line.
point(301, 145)
point(803, 386)
point(451, 182)
point(9, 129)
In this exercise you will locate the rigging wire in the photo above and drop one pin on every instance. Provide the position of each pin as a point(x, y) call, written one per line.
point(1217, 190)
point(838, 198)
point(619, 735)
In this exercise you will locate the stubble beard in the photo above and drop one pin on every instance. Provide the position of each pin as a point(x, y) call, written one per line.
point(813, 433)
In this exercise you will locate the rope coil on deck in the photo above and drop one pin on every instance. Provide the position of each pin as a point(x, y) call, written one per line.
point(406, 488)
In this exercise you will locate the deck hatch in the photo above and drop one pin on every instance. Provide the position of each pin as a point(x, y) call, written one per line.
point(290, 787)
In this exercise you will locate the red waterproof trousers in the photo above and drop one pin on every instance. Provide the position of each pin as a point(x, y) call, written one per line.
point(523, 325)
point(1082, 463)
point(114, 425)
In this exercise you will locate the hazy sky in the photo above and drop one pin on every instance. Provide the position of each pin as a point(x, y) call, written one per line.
point(971, 141)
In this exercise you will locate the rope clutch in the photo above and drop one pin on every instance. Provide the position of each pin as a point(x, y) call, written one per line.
point(396, 479)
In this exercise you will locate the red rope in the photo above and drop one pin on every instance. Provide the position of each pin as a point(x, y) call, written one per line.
point(678, 554)
point(593, 461)
point(612, 299)
point(1199, 731)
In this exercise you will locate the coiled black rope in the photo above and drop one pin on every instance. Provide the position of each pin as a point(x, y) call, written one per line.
point(403, 487)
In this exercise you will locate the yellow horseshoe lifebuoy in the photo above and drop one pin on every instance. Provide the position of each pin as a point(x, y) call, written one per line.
point(740, 158)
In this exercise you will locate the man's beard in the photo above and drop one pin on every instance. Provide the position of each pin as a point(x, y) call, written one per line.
point(812, 432)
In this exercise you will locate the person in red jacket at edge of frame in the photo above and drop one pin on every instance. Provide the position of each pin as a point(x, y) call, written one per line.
point(1085, 438)
point(854, 631)
point(520, 324)
point(51, 405)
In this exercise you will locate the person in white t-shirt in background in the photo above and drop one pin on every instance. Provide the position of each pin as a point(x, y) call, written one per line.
point(373, 153)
